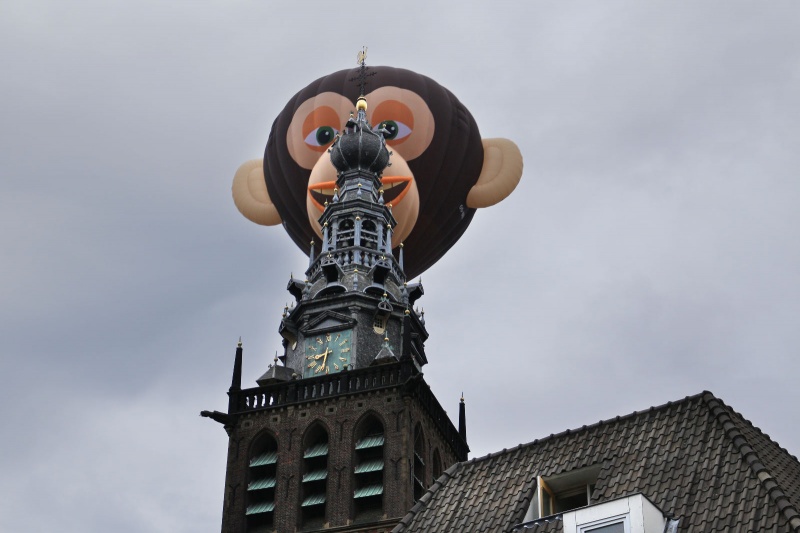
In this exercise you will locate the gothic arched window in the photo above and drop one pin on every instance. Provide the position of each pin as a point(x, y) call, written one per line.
point(314, 485)
point(419, 462)
point(261, 476)
point(368, 470)
point(436, 468)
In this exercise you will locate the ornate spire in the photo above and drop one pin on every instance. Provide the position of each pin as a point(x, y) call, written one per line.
point(356, 252)
point(361, 61)
point(359, 147)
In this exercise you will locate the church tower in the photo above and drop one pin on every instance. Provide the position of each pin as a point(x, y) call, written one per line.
point(342, 433)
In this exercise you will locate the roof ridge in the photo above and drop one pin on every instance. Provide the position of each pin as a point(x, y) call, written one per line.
point(756, 428)
point(585, 427)
point(447, 475)
point(742, 445)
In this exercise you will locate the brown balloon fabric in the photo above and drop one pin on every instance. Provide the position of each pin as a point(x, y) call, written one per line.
point(444, 172)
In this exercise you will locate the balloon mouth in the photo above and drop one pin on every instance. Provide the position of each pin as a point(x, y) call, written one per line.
point(395, 189)
point(321, 193)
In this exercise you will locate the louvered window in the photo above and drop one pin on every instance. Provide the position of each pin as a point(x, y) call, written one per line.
point(260, 496)
point(315, 478)
point(368, 471)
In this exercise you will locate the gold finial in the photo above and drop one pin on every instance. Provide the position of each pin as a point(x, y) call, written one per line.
point(361, 103)
point(408, 312)
point(401, 245)
point(358, 218)
point(361, 56)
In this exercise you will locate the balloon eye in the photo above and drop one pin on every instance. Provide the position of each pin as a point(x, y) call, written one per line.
point(394, 130)
point(321, 136)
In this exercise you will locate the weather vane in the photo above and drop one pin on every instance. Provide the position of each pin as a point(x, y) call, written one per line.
point(361, 59)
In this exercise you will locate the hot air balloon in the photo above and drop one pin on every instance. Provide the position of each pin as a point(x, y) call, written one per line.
point(441, 170)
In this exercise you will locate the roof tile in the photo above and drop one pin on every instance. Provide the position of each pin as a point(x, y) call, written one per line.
point(695, 458)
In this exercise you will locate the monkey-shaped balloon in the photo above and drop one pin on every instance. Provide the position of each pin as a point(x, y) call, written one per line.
point(441, 170)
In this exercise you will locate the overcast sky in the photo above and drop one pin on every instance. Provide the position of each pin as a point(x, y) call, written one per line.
point(651, 250)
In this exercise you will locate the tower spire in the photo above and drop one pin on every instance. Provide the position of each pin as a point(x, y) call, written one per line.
point(236, 380)
point(462, 419)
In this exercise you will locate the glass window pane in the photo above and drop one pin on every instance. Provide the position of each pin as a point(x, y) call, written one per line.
point(619, 527)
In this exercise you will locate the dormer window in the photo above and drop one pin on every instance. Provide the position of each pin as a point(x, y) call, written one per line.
point(628, 514)
point(563, 492)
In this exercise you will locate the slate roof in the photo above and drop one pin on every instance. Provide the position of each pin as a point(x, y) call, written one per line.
point(696, 459)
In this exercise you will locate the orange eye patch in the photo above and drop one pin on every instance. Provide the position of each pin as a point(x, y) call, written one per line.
point(322, 119)
point(392, 110)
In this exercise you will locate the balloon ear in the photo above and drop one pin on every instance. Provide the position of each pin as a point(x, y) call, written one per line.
point(502, 170)
point(250, 194)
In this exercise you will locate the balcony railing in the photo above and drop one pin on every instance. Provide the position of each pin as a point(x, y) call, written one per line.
point(297, 391)
point(356, 255)
point(350, 382)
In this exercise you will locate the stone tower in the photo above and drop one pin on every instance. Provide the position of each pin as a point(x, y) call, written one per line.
point(342, 433)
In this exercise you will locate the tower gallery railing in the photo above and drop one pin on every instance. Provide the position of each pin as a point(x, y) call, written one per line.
point(355, 255)
point(350, 382)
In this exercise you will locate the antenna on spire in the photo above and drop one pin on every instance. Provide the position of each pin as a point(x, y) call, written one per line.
point(361, 61)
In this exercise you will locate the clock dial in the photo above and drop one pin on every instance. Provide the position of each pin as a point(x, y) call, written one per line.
point(326, 353)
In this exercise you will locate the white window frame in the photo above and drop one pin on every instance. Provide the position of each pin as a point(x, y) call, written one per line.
point(636, 512)
point(585, 478)
point(623, 519)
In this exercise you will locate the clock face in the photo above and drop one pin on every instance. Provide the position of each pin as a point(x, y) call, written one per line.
point(326, 353)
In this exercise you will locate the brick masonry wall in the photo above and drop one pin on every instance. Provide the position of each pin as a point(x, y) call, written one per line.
point(339, 416)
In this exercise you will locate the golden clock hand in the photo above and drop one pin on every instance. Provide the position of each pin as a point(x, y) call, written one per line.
point(325, 354)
